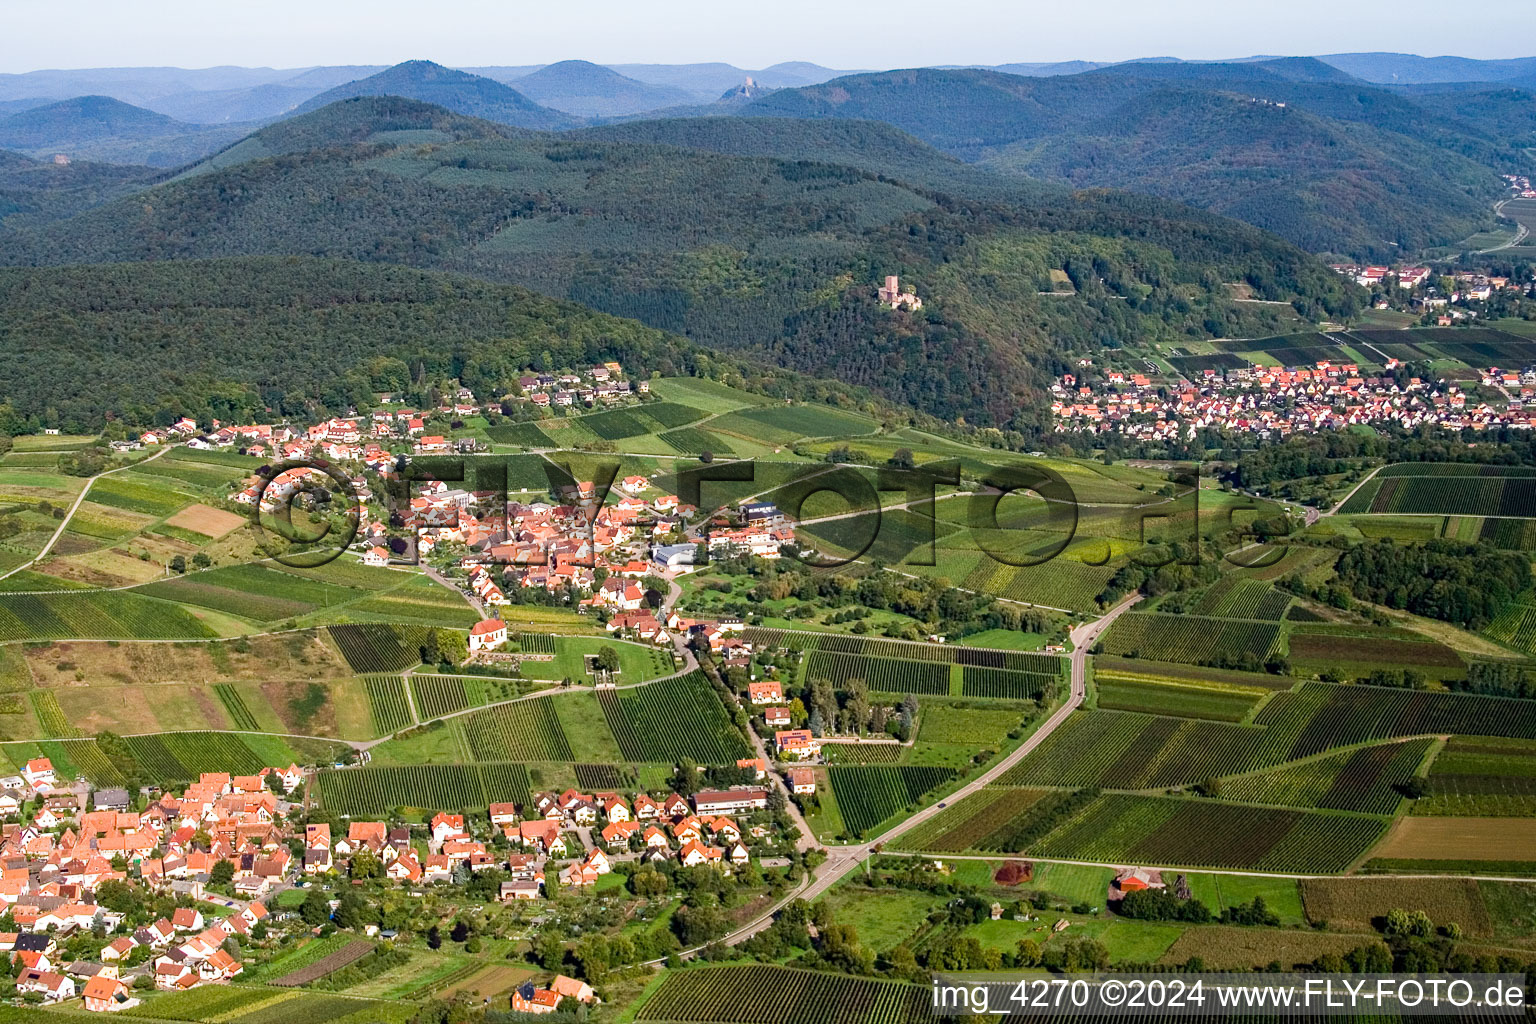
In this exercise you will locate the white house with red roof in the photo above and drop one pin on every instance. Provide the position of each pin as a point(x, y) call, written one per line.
point(487, 635)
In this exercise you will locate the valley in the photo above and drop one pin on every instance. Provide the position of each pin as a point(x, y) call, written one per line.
point(728, 543)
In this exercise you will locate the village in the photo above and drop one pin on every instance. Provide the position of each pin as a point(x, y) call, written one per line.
point(1271, 402)
point(226, 847)
point(590, 550)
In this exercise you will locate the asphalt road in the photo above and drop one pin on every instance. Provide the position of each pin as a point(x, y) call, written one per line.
point(843, 859)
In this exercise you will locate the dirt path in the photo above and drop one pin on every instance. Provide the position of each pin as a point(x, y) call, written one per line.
point(64, 524)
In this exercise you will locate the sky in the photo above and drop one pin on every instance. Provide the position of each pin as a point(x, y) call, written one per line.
point(872, 34)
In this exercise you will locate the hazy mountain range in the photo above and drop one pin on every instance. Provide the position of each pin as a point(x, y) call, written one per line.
point(236, 94)
point(1300, 146)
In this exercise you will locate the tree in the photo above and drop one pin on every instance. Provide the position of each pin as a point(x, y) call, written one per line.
point(315, 909)
point(223, 873)
point(549, 951)
point(201, 560)
point(607, 659)
point(178, 563)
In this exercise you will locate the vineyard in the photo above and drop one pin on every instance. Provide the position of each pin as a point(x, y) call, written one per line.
point(524, 435)
point(1188, 638)
point(372, 648)
point(1153, 830)
point(353, 951)
point(1131, 694)
point(522, 731)
point(1481, 778)
point(1126, 829)
point(1126, 750)
point(438, 787)
point(1317, 646)
point(56, 724)
point(870, 794)
point(1237, 597)
point(1059, 583)
point(673, 719)
point(1514, 534)
point(862, 753)
point(536, 643)
point(1005, 683)
point(1515, 627)
point(183, 756)
point(1359, 780)
point(891, 675)
point(436, 696)
point(604, 777)
point(1503, 495)
point(762, 994)
point(946, 654)
point(695, 441)
point(234, 704)
point(388, 706)
point(970, 824)
point(254, 591)
point(104, 615)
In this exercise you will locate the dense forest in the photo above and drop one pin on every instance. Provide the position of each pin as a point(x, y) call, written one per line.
point(769, 256)
point(1331, 163)
point(260, 338)
point(1464, 584)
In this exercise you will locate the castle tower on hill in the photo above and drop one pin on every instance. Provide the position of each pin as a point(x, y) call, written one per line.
point(891, 295)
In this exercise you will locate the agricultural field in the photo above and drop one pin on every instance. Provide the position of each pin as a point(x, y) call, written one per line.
point(673, 719)
point(1137, 751)
point(1188, 638)
point(763, 994)
point(1367, 780)
point(438, 787)
point(1237, 597)
point(1355, 903)
point(388, 703)
point(1492, 491)
point(869, 795)
point(377, 648)
point(1481, 777)
point(1437, 842)
point(115, 615)
point(1128, 829)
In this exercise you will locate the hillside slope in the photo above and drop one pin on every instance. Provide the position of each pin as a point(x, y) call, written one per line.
point(1321, 184)
point(585, 89)
point(454, 90)
point(104, 129)
point(773, 257)
point(1329, 162)
point(229, 338)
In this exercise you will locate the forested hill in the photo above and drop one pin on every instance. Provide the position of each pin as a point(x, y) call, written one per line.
point(1323, 184)
point(1342, 166)
point(775, 257)
point(104, 129)
point(462, 93)
point(227, 339)
point(872, 146)
point(362, 120)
